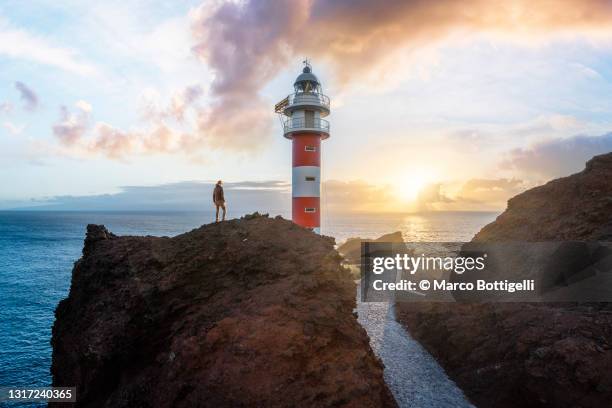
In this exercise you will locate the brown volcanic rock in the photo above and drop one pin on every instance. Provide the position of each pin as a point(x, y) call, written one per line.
point(351, 249)
point(531, 355)
point(253, 312)
point(578, 207)
point(519, 355)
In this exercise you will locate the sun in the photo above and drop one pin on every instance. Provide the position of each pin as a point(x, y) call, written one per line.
point(409, 186)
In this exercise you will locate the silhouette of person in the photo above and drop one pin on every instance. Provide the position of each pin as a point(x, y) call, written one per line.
point(219, 200)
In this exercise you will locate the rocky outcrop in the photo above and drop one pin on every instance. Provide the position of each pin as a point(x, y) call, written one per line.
point(351, 249)
point(251, 312)
point(578, 207)
point(531, 354)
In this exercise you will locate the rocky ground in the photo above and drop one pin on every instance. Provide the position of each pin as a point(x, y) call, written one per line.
point(531, 355)
point(250, 312)
point(351, 249)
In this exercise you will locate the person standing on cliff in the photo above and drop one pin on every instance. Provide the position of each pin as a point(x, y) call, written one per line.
point(219, 200)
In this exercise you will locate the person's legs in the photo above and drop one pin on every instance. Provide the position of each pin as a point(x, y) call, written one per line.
point(217, 215)
point(223, 207)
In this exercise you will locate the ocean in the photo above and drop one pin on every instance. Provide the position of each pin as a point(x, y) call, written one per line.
point(39, 248)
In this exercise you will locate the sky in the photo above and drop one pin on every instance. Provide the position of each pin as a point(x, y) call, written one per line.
point(448, 105)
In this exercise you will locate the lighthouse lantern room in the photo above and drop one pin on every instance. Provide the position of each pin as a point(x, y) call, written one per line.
point(302, 114)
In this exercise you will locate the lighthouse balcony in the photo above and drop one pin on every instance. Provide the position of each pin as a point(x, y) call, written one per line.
point(302, 125)
point(304, 100)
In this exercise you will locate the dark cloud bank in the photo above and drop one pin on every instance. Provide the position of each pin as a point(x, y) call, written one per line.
point(242, 197)
point(557, 157)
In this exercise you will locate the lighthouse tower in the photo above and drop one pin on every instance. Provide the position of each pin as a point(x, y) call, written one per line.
point(302, 114)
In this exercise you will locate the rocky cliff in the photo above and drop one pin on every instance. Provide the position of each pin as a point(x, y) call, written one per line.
point(531, 355)
point(250, 312)
point(577, 207)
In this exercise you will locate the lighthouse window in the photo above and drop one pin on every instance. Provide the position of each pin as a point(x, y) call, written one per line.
point(310, 178)
point(310, 148)
point(310, 209)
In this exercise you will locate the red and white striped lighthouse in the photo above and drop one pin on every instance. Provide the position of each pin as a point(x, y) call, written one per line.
point(302, 115)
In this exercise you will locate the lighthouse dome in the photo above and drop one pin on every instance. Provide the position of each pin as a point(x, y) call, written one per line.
point(306, 81)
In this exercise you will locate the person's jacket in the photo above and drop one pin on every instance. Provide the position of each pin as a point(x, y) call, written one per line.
point(218, 194)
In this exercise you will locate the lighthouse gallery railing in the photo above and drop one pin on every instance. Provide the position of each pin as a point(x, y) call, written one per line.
point(303, 98)
point(292, 124)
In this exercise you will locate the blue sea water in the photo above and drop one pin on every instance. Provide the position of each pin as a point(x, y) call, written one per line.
point(38, 250)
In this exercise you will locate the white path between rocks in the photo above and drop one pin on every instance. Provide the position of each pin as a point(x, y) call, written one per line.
point(413, 375)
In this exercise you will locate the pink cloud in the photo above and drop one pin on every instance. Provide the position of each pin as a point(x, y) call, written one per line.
point(248, 43)
point(71, 127)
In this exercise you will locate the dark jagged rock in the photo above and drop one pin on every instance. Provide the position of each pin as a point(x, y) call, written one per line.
point(95, 233)
point(251, 312)
point(532, 354)
point(351, 249)
point(254, 215)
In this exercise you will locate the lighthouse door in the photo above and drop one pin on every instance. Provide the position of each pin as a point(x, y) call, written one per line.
point(309, 119)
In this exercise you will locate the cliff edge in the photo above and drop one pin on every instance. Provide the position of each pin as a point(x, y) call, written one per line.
point(531, 354)
point(250, 312)
point(577, 208)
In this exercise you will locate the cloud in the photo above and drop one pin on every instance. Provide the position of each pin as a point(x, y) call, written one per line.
point(79, 136)
point(357, 196)
point(118, 144)
point(248, 43)
point(557, 157)
point(112, 142)
point(179, 104)
point(12, 128)
point(242, 197)
point(184, 100)
point(6, 107)
point(180, 126)
point(546, 124)
point(28, 96)
point(72, 126)
point(431, 195)
point(274, 196)
point(20, 44)
point(473, 194)
point(235, 123)
point(245, 56)
point(84, 106)
point(258, 185)
point(495, 192)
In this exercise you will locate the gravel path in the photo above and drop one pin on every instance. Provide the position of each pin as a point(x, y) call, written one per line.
point(413, 375)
